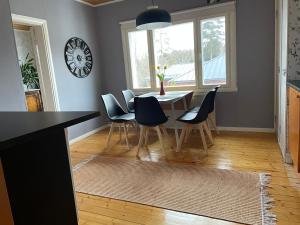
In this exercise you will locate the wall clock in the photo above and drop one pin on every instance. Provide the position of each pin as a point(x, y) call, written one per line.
point(78, 57)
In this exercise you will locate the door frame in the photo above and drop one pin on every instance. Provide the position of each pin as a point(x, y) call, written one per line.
point(276, 66)
point(278, 72)
point(44, 60)
point(277, 69)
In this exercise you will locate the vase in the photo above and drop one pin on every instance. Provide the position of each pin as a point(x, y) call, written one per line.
point(162, 90)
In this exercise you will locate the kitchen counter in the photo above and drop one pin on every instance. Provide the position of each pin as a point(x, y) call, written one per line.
point(36, 185)
point(294, 84)
point(17, 127)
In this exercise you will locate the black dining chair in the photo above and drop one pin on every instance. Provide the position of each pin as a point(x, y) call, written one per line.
point(129, 95)
point(117, 116)
point(197, 120)
point(211, 110)
point(149, 115)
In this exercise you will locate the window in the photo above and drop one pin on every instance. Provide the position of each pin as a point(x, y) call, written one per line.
point(213, 44)
point(139, 59)
point(174, 47)
point(199, 50)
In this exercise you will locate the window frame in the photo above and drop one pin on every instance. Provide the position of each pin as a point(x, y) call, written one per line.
point(196, 15)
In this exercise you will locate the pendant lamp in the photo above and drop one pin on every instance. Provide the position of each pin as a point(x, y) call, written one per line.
point(153, 18)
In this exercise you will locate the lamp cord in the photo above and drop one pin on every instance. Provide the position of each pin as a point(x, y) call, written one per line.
point(153, 2)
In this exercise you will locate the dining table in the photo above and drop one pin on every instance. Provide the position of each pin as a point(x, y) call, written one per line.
point(170, 98)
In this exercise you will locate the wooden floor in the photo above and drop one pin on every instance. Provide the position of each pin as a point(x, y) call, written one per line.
point(237, 151)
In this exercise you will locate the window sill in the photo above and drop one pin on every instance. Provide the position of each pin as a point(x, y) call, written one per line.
point(196, 91)
point(203, 91)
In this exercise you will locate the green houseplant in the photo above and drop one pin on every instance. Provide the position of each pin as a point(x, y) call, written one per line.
point(29, 73)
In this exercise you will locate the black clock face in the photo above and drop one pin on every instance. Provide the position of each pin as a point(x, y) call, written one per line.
point(78, 57)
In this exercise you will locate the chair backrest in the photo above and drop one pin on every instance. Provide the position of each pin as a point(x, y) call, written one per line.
point(149, 112)
point(112, 106)
point(205, 107)
point(212, 100)
point(128, 95)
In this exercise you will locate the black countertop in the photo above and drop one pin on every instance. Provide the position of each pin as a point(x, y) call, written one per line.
point(294, 84)
point(19, 126)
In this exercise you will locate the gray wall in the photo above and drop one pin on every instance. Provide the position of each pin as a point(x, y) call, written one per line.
point(253, 104)
point(67, 18)
point(11, 89)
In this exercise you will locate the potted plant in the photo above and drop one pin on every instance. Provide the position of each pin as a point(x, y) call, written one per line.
point(161, 73)
point(29, 73)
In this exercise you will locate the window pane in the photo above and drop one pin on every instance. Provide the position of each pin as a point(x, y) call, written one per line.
point(174, 47)
point(139, 59)
point(213, 43)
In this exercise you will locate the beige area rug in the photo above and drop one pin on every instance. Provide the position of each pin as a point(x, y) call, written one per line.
point(222, 194)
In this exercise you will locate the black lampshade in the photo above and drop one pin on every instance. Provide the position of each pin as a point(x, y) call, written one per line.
point(153, 18)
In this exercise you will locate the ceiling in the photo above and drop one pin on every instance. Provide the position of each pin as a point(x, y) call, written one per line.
point(96, 3)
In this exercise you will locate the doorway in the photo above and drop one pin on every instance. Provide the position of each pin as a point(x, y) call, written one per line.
point(28, 61)
point(35, 59)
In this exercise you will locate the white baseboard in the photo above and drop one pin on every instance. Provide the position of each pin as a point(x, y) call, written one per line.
point(88, 134)
point(248, 129)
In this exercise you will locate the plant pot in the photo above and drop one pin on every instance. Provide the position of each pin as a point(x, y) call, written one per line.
point(162, 90)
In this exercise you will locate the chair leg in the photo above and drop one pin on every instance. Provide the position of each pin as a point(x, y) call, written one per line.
point(213, 122)
point(110, 134)
point(208, 132)
point(126, 135)
point(142, 133)
point(120, 131)
point(136, 128)
point(165, 132)
point(187, 135)
point(146, 136)
point(203, 137)
point(132, 124)
point(160, 137)
point(183, 133)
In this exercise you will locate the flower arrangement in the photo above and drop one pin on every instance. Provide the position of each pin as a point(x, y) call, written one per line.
point(161, 72)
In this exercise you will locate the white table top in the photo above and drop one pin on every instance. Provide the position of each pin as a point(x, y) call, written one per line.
point(170, 96)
